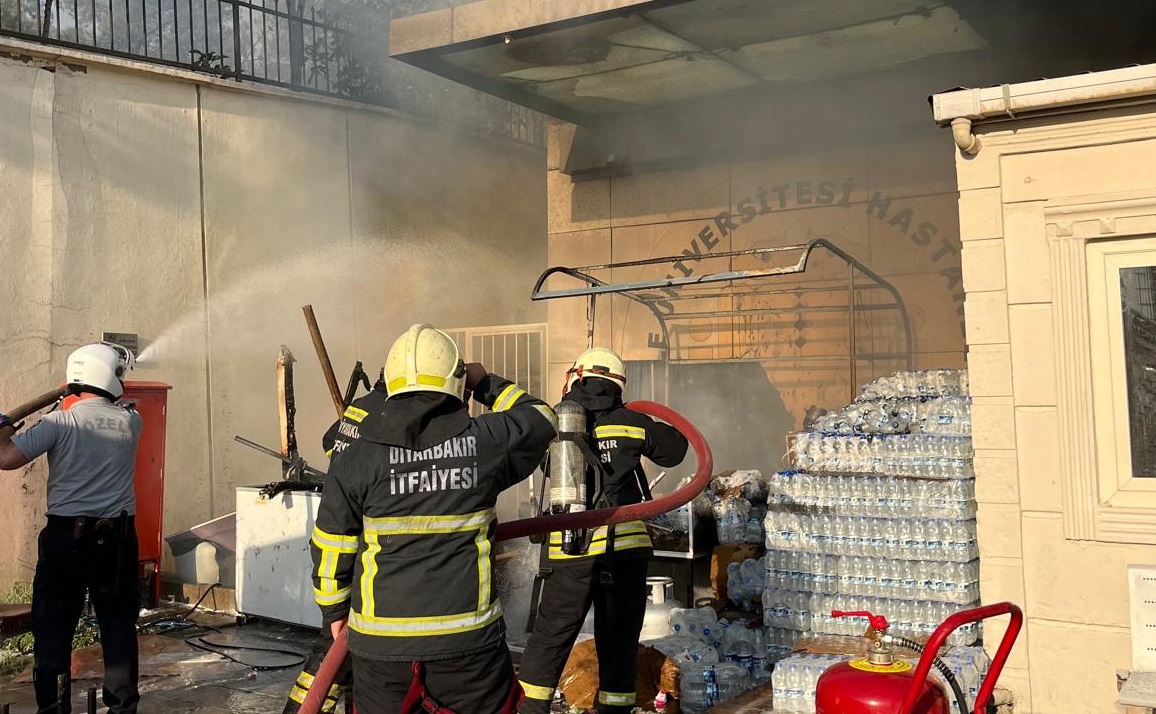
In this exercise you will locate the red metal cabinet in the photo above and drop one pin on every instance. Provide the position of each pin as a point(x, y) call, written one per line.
point(151, 400)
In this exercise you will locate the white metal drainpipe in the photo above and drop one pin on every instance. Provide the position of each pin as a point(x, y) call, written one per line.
point(962, 109)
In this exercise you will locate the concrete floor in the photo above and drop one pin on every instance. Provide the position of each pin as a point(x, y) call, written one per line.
point(176, 678)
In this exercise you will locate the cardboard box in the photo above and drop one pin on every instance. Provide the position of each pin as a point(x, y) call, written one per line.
point(579, 682)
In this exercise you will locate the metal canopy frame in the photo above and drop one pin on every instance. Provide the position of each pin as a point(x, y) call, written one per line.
point(662, 296)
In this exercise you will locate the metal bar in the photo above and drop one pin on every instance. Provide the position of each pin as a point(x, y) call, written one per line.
point(94, 24)
point(111, 26)
point(277, 45)
point(252, 51)
point(313, 32)
point(160, 30)
point(668, 283)
point(192, 32)
point(57, 5)
point(176, 32)
point(205, 25)
point(221, 33)
point(744, 312)
point(806, 363)
point(851, 329)
point(328, 57)
point(76, 19)
point(237, 39)
point(682, 257)
point(275, 13)
point(756, 292)
point(590, 317)
point(128, 25)
point(264, 44)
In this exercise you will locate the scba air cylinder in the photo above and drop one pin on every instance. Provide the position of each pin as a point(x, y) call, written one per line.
point(568, 471)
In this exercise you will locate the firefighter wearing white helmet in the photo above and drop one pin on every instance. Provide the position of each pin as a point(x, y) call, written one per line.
point(598, 362)
point(607, 571)
point(403, 545)
point(99, 369)
point(88, 544)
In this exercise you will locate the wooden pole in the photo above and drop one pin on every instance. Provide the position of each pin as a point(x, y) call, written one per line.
point(323, 356)
point(286, 404)
point(35, 405)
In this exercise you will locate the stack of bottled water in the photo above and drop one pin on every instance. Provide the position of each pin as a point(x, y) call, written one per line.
point(739, 514)
point(880, 515)
point(910, 619)
point(795, 678)
point(926, 456)
point(747, 647)
point(700, 642)
point(867, 495)
point(779, 641)
point(969, 665)
point(701, 623)
point(731, 516)
point(746, 582)
point(705, 685)
point(880, 536)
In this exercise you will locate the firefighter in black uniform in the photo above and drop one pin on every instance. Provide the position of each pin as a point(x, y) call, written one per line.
point(403, 544)
point(611, 574)
point(335, 440)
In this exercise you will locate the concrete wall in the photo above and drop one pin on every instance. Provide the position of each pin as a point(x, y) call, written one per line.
point(202, 217)
point(892, 206)
point(1030, 202)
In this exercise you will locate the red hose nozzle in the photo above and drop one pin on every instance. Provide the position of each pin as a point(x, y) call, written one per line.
point(878, 622)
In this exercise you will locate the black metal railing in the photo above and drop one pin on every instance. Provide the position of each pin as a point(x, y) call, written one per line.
point(329, 48)
point(281, 42)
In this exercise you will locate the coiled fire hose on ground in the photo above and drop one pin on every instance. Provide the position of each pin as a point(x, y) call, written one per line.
point(327, 672)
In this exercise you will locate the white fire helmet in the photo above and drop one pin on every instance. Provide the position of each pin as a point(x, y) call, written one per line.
point(424, 359)
point(102, 365)
point(599, 362)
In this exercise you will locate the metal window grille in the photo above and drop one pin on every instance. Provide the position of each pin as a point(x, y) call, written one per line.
point(516, 352)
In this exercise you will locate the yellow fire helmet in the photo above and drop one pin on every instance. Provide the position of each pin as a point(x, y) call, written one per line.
point(600, 362)
point(424, 359)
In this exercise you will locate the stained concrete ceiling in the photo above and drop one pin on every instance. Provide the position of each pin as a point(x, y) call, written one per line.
point(667, 52)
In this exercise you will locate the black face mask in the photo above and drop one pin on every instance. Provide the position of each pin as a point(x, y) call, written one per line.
point(416, 421)
point(595, 394)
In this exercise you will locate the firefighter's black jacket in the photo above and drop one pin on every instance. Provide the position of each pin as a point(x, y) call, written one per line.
point(404, 535)
point(621, 438)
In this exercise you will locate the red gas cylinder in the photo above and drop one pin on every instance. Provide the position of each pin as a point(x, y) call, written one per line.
point(875, 684)
point(859, 687)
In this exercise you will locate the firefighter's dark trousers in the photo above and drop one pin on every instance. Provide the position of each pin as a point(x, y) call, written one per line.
point(341, 683)
point(619, 609)
point(100, 558)
point(479, 683)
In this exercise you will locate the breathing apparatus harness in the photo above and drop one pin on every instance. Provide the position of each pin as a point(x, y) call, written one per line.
point(566, 463)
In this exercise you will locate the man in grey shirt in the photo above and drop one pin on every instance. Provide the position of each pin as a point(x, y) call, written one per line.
point(88, 544)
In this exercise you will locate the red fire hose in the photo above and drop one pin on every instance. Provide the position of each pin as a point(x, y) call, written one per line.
point(327, 672)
